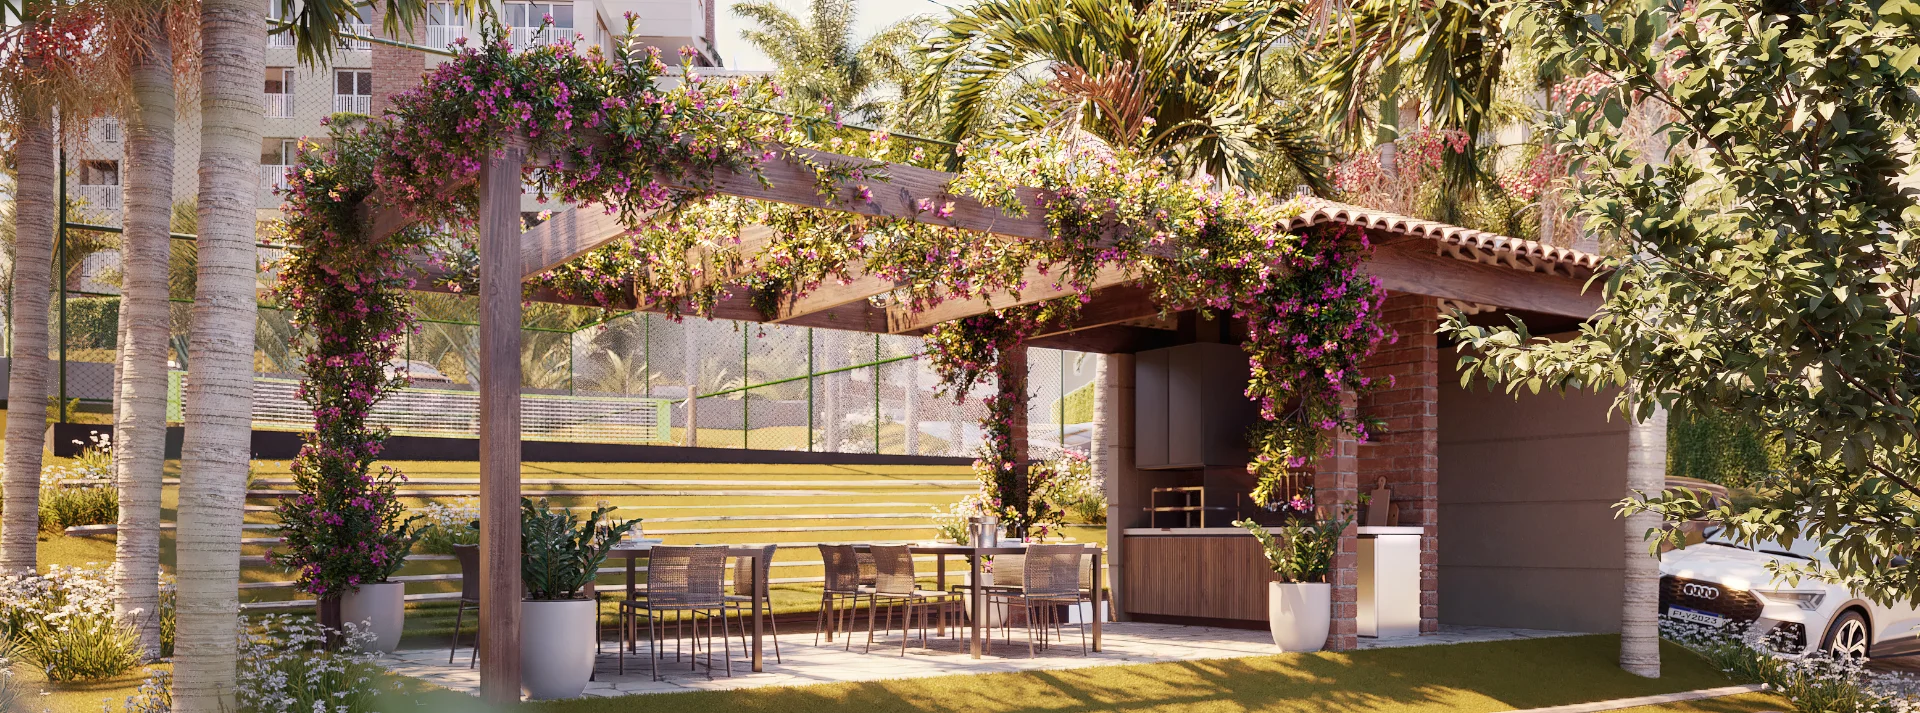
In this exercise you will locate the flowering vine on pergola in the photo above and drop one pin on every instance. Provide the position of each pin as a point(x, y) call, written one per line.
point(695, 203)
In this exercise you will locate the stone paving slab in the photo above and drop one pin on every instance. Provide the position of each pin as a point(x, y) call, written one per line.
point(804, 663)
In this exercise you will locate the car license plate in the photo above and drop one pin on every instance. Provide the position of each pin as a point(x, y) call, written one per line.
point(1695, 616)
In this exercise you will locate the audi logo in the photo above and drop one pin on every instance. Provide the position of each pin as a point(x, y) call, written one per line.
point(1700, 591)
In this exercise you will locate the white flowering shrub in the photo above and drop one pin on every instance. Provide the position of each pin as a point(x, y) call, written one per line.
point(1812, 681)
point(13, 693)
point(81, 492)
point(285, 667)
point(449, 524)
point(63, 623)
point(155, 695)
point(952, 522)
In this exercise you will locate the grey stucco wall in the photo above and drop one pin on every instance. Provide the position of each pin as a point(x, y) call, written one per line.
point(1528, 536)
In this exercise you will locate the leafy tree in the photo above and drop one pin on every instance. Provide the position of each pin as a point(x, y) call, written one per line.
point(1186, 81)
point(821, 64)
point(1769, 271)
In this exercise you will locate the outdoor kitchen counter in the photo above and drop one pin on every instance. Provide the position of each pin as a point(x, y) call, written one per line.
point(1218, 575)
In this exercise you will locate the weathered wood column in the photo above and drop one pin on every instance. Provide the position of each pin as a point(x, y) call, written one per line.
point(500, 426)
point(1013, 385)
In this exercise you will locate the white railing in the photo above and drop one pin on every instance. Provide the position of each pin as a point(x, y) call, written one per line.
point(280, 40)
point(100, 198)
point(358, 29)
point(444, 35)
point(105, 130)
point(274, 177)
point(355, 103)
point(279, 106)
point(524, 37)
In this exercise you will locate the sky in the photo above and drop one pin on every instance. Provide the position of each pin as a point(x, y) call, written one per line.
point(873, 15)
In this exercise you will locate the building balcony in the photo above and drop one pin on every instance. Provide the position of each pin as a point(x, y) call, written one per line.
point(99, 198)
point(353, 103)
point(279, 106)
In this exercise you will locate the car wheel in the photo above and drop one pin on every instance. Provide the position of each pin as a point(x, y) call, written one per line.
point(1847, 637)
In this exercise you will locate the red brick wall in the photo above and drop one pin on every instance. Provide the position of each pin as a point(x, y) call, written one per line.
point(1334, 482)
point(395, 70)
point(1405, 451)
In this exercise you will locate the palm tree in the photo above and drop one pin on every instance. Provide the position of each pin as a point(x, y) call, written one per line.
point(219, 394)
point(1188, 82)
point(1444, 58)
point(820, 63)
point(140, 403)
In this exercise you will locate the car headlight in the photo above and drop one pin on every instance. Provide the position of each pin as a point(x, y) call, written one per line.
point(1808, 600)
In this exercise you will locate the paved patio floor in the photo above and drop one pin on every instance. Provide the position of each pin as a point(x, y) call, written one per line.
point(803, 662)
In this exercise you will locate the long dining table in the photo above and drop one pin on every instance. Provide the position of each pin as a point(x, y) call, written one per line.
point(978, 594)
point(636, 552)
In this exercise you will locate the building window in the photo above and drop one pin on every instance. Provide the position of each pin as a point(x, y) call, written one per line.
point(363, 26)
point(279, 92)
point(276, 162)
point(279, 11)
point(528, 18)
point(446, 23)
point(353, 91)
point(99, 184)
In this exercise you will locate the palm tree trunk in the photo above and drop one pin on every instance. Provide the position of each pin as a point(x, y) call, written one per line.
point(34, 215)
point(1640, 603)
point(140, 406)
point(219, 394)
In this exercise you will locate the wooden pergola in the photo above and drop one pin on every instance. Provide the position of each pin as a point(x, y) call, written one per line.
point(1470, 269)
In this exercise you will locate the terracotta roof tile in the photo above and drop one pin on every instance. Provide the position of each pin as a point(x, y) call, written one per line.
point(1494, 245)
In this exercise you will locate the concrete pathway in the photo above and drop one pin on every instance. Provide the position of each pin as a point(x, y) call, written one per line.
point(806, 663)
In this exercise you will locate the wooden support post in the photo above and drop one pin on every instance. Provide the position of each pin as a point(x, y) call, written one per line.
point(1013, 385)
point(500, 265)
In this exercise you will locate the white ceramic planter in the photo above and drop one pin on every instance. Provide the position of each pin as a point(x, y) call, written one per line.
point(996, 610)
point(556, 647)
point(380, 608)
point(1299, 615)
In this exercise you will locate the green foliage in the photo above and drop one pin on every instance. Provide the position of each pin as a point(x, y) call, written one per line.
point(821, 65)
point(1304, 550)
point(1183, 82)
point(1076, 491)
point(86, 648)
point(64, 507)
point(449, 524)
point(289, 664)
point(1075, 407)
point(92, 322)
point(1812, 683)
point(1767, 264)
point(1719, 449)
point(560, 553)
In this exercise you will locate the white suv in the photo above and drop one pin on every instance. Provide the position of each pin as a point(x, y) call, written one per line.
point(1717, 582)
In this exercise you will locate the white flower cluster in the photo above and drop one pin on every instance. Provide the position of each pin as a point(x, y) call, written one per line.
point(285, 667)
point(155, 695)
point(61, 596)
point(458, 514)
point(93, 467)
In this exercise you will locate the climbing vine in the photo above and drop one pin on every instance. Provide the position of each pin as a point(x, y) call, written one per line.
point(620, 133)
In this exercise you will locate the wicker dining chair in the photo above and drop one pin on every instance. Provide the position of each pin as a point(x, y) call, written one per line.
point(686, 581)
point(1051, 579)
point(743, 595)
point(469, 557)
point(897, 583)
point(842, 564)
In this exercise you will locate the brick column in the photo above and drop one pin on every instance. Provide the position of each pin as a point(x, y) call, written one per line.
point(1406, 449)
point(1334, 479)
point(395, 70)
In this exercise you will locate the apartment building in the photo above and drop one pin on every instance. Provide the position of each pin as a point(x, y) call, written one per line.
point(361, 77)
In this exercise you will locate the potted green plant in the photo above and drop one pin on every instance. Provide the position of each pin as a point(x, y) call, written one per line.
point(1300, 600)
point(559, 555)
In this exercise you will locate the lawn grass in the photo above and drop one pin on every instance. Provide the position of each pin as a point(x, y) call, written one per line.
point(1467, 678)
point(1743, 703)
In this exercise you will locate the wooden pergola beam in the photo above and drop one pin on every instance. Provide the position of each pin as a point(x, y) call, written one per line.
point(833, 293)
point(1040, 288)
point(1411, 266)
